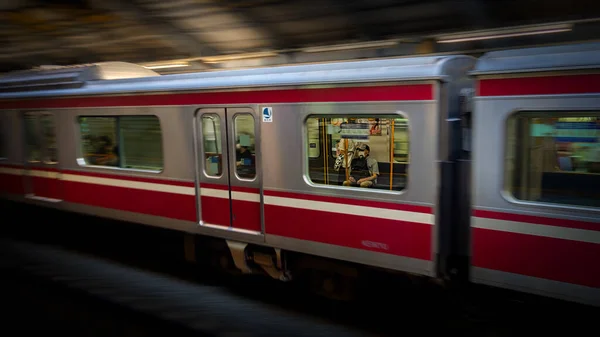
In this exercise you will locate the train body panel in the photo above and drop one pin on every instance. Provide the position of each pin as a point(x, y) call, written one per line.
point(399, 224)
point(536, 221)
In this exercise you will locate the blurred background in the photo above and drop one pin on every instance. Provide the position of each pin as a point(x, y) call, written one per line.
point(199, 35)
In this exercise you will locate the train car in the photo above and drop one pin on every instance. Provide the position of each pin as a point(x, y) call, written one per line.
point(248, 156)
point(486, 169)
point(536, 174)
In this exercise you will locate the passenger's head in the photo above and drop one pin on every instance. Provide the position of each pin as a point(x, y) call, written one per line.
point(364, 150)
point(241, 148)
point(105, 144)
point(105, 140)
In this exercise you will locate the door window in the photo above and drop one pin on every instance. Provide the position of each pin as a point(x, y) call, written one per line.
point(33, 146)
point(211, 138)
point(48, 131)
point(245, 146)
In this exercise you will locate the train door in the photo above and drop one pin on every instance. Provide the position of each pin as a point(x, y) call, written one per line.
point(42, 174)
point(228, 176)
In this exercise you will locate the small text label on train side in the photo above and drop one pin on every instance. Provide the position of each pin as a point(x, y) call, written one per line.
point(267, 115)
point(376, 245)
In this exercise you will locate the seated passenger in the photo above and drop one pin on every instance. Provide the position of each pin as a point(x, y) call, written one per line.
point(363, 170)
point(243, 156)
point(106, 154)
point(245, 163)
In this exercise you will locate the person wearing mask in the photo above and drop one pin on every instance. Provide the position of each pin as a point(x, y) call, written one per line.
point(363, 169)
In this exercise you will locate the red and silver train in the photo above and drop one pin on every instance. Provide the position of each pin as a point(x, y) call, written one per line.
point(485, 170)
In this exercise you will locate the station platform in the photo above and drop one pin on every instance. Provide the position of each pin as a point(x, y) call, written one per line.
point(153, 299)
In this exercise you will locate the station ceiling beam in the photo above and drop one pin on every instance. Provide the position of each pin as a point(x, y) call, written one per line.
point(259, 20)
point(191, 46)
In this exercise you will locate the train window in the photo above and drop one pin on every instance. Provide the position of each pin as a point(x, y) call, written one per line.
point(133, 142)
point(554, 157)
point(245, 146)
point(33, 146)
point(211, 137)
point(342, 159)
point(48, 130)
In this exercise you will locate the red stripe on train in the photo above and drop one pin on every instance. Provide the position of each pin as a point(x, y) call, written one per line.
point(380, 235)
point(11, 184)
point(546, 85)
point(18, 166)
point(245, 189)
point(355, 202)
point(217, 211)
point(239, 214)
point(163, 181)
point(44, 169)
point(549, 258)
point(169, 205)
point(45, 187)
point(538, 220)
point(409, 92)
point(246, 215)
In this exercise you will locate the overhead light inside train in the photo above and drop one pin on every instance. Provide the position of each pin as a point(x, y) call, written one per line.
point(166, 66)
point(505, 33)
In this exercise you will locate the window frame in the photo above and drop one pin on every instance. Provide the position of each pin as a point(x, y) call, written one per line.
point(203, 147)
point(383, 115)
point(319, 146)
point(506, 193)
point(233, 144)
point(79, 147)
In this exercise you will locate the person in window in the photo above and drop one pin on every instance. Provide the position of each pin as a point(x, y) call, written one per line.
point(376, 128)
point(244, 162)
point(344, 154)
point(363, 170)
point(243, 155)
point(107, 154)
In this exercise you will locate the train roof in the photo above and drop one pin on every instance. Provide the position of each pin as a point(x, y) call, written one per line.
point(394, 69)
point(540, 59)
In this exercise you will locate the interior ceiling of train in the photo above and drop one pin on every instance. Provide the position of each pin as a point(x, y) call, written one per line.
point(203, 35)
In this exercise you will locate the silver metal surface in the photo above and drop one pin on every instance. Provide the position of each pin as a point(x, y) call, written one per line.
point(58, 78)
point(405, 69)
point(553, 58)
